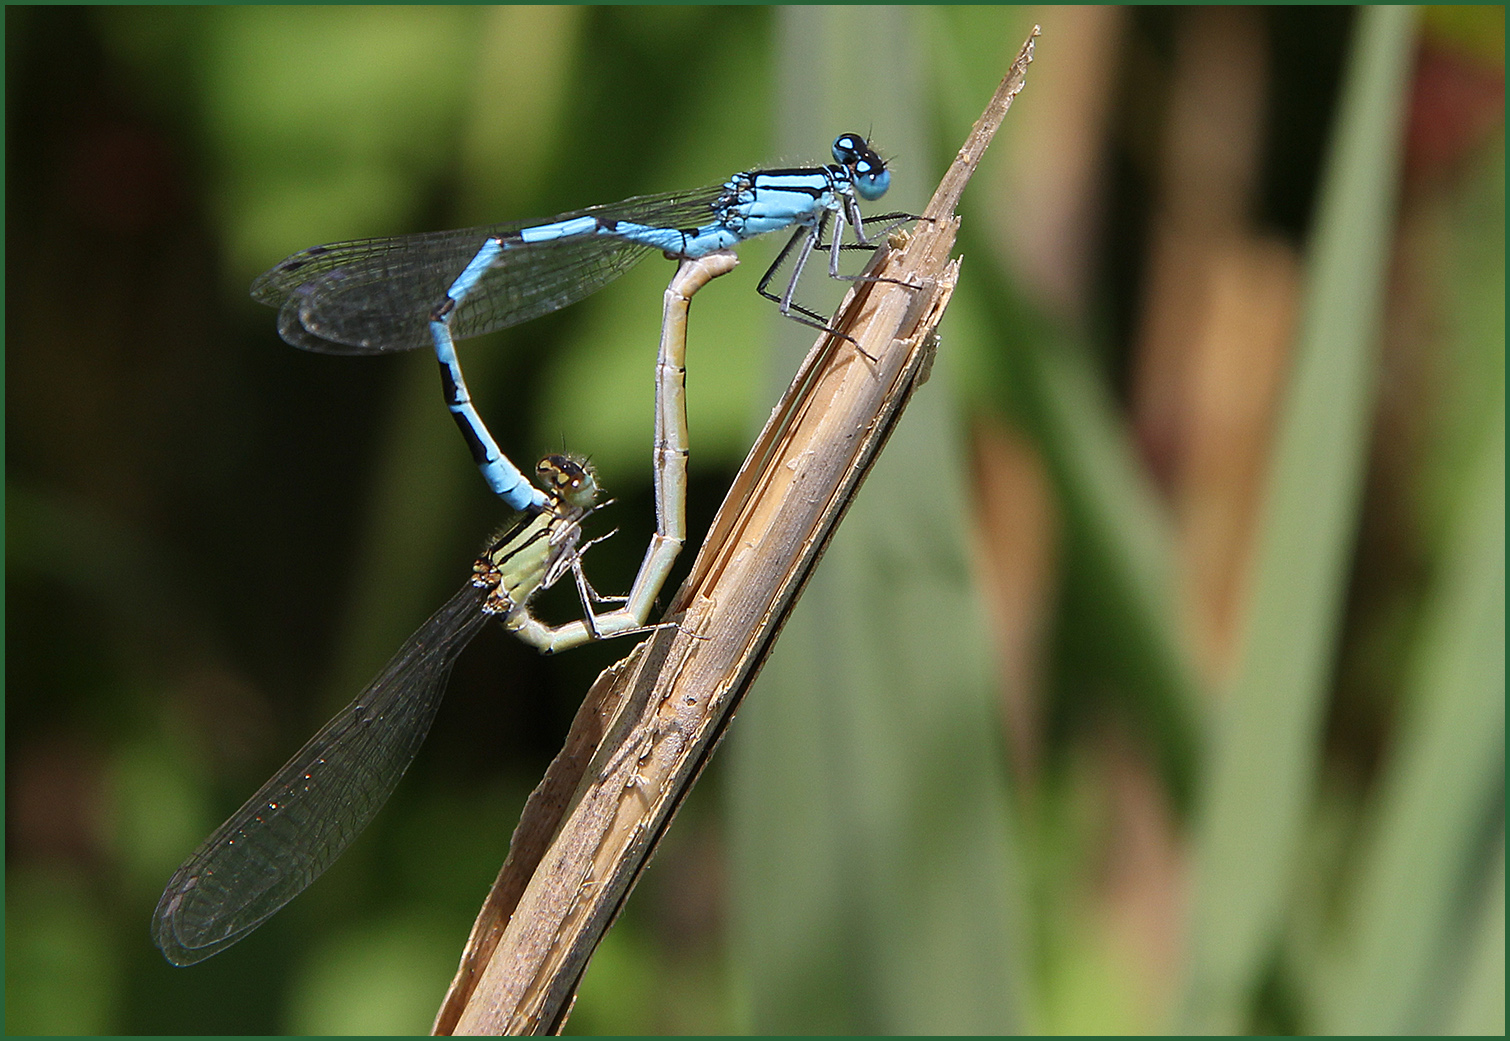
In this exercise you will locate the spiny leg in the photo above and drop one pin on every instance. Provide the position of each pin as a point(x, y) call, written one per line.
point(809, 237)
point(814, 235)
point(811, 240)
point(584, 587)
point(837, 244)
point(862, 242)
point(763, 286)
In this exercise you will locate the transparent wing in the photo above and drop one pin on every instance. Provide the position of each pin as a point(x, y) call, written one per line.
point(375, 295)
point(304, 818)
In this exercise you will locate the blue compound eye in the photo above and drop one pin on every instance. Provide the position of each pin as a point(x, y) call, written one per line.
point(848, 148)
point(871, 178)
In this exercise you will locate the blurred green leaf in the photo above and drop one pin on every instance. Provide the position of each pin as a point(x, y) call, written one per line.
point(160, 808)
point(1444, 778)
point(1480, 1000)
point(1261, 765)
point(385, 978)
point(617, 988)
point(517, 118)
point(62, 971)
point(1478, 28)
point(1468, 352)
point(1119, 620)
point(1117, 626)
point(319, 143)
point(1121, 561)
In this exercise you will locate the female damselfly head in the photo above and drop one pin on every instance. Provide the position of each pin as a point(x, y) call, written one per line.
point(569, 480)
point(871, 178)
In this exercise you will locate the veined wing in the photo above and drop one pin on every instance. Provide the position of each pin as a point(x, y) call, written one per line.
point(299, 822)
point(372, 296)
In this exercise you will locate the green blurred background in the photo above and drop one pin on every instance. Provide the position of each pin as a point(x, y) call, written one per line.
point(1155, 681)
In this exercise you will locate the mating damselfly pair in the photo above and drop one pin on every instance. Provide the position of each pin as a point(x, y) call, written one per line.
point(391, 294)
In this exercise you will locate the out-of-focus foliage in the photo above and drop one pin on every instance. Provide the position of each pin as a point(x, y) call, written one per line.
point(1155, 679)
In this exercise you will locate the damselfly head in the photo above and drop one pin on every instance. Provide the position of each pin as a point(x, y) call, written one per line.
point(871, 178)
point(570, 480)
